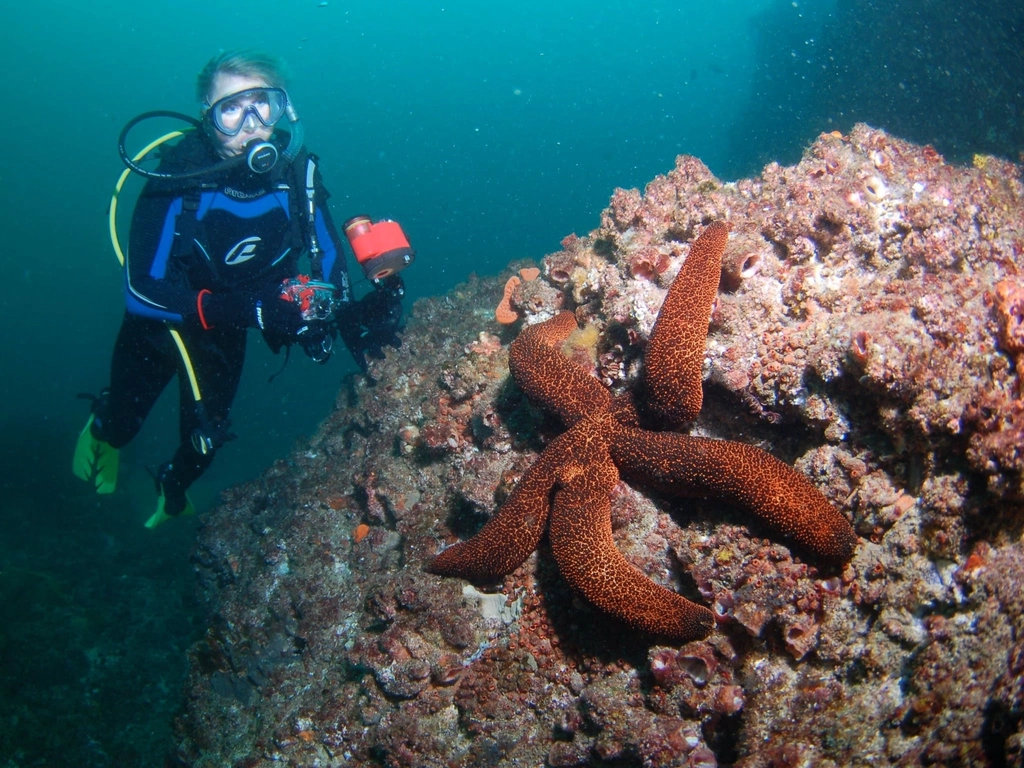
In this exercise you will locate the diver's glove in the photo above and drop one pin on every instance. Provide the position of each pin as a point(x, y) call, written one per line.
point(232, 310)
point(264, 309)
point(373, 322)
point(280, 320)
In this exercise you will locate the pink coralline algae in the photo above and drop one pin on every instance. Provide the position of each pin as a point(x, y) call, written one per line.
point(869, 331)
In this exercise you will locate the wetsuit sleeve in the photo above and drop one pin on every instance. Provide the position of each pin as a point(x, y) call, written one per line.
point(156, 283)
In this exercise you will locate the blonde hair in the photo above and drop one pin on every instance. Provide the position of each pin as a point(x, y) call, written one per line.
point(242, 62)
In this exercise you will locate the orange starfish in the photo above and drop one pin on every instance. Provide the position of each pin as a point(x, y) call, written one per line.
point(567, 490)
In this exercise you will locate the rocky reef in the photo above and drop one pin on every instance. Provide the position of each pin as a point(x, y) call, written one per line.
point(869, 331)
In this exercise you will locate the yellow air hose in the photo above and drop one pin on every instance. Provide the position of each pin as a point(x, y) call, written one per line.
point(193, 382)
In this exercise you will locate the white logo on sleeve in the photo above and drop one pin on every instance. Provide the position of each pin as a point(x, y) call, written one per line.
point(242, 251)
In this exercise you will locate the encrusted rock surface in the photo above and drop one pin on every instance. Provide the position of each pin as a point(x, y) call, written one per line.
point(869, 330)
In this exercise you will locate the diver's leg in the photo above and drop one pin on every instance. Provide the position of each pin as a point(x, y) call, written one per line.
point(217, 359)
point(144, 361)
point(140, 369)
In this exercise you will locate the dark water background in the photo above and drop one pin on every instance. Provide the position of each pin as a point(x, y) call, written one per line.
point(489, 130)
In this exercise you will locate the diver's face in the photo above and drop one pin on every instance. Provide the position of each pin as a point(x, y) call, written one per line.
point(225, 85)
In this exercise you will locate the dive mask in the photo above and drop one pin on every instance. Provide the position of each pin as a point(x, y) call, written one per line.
point(233, 112)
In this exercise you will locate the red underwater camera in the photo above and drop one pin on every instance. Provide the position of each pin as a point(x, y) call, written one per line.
point(381, 248)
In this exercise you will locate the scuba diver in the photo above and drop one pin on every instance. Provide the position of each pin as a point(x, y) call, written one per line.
point(214, 249)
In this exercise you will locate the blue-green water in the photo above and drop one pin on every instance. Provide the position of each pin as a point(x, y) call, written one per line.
point(489, 134)
point(489, 130)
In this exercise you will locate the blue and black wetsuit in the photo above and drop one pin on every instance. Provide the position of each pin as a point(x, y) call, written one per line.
point(236, 238)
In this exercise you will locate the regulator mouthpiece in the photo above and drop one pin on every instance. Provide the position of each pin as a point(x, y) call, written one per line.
point(260, 156)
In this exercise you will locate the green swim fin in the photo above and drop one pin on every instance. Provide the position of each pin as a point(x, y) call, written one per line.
point(160, 517)
point(95, 461)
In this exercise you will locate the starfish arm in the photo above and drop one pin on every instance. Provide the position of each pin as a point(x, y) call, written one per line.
point(508, 538)
point(741, 474)
point(581, 543)
point(548, 377)
point(675, 350)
